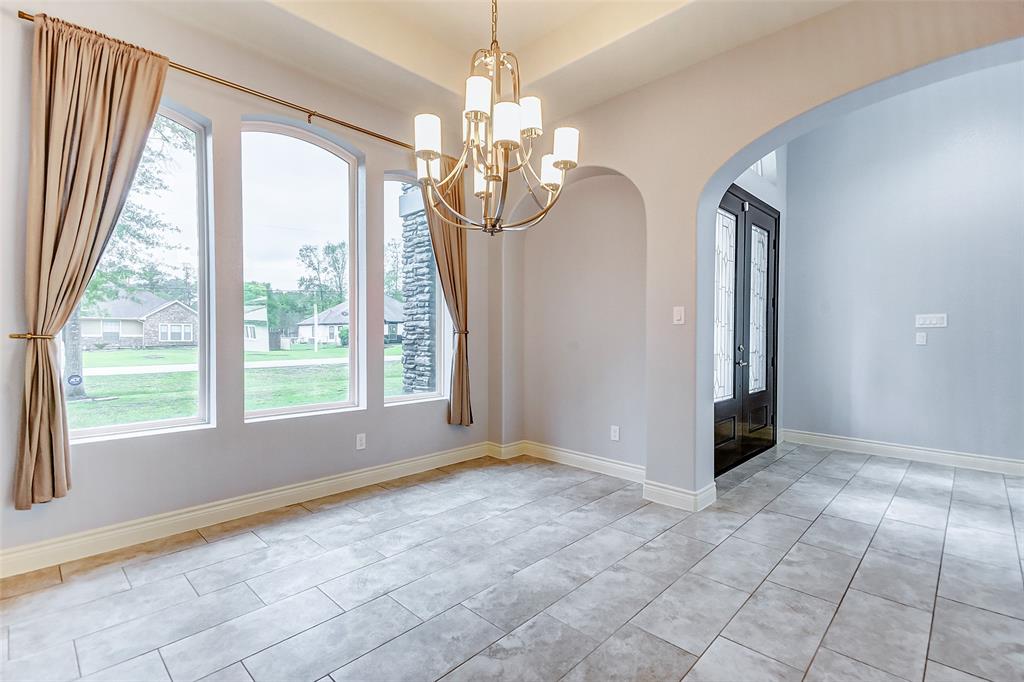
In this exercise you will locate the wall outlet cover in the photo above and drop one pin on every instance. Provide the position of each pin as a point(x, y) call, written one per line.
point(679, 315)
point(921, 339)
point(614, 434)
point(360, 441)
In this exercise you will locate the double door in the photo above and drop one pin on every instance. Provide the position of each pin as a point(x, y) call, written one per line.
point(746, 276)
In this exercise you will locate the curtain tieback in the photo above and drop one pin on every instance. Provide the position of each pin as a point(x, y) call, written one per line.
point(32, 337)
point(465, 333)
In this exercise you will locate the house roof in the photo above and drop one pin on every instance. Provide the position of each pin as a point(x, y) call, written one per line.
point(134, 306)
point(394, 311)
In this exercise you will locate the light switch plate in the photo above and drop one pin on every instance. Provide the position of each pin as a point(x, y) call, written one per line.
point(679, 315)
point(921, 339)
point(930, 320)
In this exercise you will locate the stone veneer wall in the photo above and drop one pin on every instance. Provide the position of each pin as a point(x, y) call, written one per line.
point(419, 288)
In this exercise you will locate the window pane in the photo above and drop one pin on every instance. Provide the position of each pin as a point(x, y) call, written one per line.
point(725, 302)
point(298, 273)
point(758, 309)
point(412, 320)
point(122, 363)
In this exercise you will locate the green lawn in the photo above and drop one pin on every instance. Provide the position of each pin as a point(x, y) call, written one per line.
point(171, 395)
point(185, 356)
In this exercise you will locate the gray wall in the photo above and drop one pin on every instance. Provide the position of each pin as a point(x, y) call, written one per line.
point(583, 321)
point(912, 205)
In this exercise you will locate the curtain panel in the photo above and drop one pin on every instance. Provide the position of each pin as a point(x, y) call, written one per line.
point(450, 252)
point(93, 102)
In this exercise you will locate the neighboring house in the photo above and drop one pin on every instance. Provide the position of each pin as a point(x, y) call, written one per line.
point(140, 320)
point(331, 321)
point(256, 330)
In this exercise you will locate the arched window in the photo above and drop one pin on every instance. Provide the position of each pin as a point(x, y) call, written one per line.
point(299, 227)
point(135, 351)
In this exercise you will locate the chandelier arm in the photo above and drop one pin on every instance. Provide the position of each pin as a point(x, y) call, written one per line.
point(452, 223)
point(500, 211)
point(529, 188)
point(456, 170)
point(532, 220)
point(520, 161)
point(440, 197)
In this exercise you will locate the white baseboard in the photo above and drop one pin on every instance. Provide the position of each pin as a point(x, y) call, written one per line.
point(967, 460)
point(580, 460)
point(690, 500)
point(87, 543)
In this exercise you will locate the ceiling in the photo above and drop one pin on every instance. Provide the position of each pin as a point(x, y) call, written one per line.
point(573, 53)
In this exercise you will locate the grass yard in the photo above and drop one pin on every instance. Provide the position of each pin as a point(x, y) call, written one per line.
point(186, 356)
point(173, 395)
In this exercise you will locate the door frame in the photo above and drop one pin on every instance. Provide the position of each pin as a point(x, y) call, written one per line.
point(746, 197)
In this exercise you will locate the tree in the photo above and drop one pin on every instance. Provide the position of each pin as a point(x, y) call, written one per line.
point(394, 268)
point(129, 261)
point(326, 273)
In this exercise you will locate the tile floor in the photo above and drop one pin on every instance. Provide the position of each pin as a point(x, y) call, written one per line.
point(812, 564)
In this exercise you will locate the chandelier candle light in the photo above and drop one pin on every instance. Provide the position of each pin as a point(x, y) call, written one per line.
point(498, 132)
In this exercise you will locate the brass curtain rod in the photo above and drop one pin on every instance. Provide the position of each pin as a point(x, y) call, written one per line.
point(310, 113)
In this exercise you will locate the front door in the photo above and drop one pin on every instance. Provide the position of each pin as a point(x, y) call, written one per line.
point(746, 274)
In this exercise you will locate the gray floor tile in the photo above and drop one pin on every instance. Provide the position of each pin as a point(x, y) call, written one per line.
point(726, 661)
point(828, 666)
point(936, 672)
point(147, 667)
point(55, 664)
point(252, 522)
point(978, 642)
point(898, 648)
point(650, 520)
point(916, 542)
point(739, 563)
point(535, 544)
point(127, 640)
point(819, 572)
point(602, 605)
point(691, 612)
point(517, 599)
point(321, 649)
point(853, 508)
point(543, 648)
point(376, 579)
point(839, 535)
point(439, 591)
point(34, 635)
point(979, 487)
point(192, 558)
point(71, 593)
point(405, 537)
point(781, 623)
point(884, 469)
point(667, 556)
point(995, 588)
point(982, 546)
point(426, 652)
point(921, 513)
point(599, 550)
point(594, 489)
point(632, 655)
point(981, 516)
point(132, 554)
point(898, 578)
point(608, 509)
point(241, 568)
point(840, 464)
point(871, 488)
point(235, 672)
point(773, 530)
point(220, 646)
point(710, 525)
point(807, 497)
point(300, 576)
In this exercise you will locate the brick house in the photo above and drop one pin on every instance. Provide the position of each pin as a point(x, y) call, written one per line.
point(141, 320)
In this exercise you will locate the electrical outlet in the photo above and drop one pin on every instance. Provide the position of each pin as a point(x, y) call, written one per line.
point(921, 338)
point(360, 441)
point(614, 432)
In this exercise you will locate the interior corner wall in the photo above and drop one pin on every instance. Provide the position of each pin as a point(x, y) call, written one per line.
point(912, 205)
point(583, 321)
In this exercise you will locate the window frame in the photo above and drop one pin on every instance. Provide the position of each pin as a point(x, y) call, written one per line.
point(444, 331)
point(355, 369)
point(204, 340)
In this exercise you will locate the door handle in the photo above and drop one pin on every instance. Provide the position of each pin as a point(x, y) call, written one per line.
point(742, 363)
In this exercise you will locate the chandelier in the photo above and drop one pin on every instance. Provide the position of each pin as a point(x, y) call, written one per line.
point(499, 129)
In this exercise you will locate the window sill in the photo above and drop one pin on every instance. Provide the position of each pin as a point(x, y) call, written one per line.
point(148, 430)
point(414, 399)
point(275, 416)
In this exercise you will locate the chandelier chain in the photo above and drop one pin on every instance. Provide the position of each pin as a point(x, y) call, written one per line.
point(494, 22)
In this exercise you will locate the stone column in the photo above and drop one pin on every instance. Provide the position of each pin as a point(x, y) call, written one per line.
point(419, 289)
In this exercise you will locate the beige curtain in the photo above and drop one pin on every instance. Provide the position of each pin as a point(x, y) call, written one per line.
point(450, 252)
point(93, 102)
